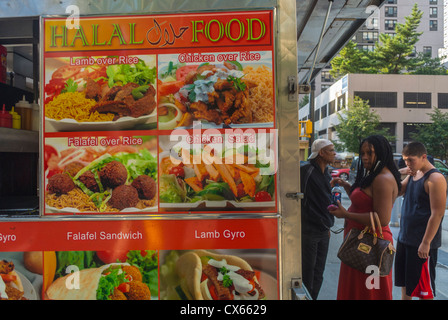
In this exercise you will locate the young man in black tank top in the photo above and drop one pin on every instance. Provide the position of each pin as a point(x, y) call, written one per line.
point(423, 209)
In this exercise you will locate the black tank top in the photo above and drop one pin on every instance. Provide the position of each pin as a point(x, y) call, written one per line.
point(415, 214)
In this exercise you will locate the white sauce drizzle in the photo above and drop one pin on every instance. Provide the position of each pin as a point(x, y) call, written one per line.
point(241, 284)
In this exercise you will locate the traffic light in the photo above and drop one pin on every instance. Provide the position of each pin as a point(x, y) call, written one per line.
point(308, 128)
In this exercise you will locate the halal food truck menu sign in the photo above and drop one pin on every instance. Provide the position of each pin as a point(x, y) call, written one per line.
point(159, 113)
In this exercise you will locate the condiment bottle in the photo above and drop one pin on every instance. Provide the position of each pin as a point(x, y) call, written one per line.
point(5, 118)
point(23, 108)
point(16, 119)
point(35, 122)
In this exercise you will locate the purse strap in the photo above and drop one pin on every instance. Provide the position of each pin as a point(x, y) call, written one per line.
point(375, 218)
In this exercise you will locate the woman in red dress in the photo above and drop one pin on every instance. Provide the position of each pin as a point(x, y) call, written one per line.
point(375, 188)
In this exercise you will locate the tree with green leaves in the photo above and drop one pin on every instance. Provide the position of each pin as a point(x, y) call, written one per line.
point(304, 101)
point(351, 60)
point(434, 135)
point(357, 122)
point(429, 65)
point(393, 53)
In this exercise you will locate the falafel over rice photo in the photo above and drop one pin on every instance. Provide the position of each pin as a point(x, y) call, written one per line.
point(102, 179)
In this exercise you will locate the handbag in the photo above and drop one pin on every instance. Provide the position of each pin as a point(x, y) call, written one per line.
point(363, 248)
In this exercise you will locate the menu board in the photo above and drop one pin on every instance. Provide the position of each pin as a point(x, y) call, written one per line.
point(167, 114)
point(139, 260)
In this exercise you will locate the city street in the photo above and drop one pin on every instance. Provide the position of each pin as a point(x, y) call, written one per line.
point(331, 275)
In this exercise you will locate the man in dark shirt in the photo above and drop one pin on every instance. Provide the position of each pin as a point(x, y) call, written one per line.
point(316, 220)
point(420, 226)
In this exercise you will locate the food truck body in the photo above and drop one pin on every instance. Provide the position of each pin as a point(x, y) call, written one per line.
point(165, 133)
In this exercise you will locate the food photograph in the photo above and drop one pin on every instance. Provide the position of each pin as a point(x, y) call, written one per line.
point(21, 275)
point(237, 178)
point(101, 179)
point(101, 275)
point(218, 275)
point(225, 94)
point(100, 93)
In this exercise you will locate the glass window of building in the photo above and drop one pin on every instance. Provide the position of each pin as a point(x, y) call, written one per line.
point(325, 76)
point(442, 99)
point(432, 25)
point(369, 36)
point(433, 12)
point(408, 129)
point(389, 24)
point(332, 107)
point(316, 115)
point(323, 111)
point(390, 12)
point(378, 99)
point(367, 47)
point(417, 99)
point(341, 102)
point(427, 50)
point(432, 1)
point(372, 23)
point(324, 87)
point(322, 133)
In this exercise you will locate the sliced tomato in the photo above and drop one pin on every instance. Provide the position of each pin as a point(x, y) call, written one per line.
point(124, 287)
point(110, 256)
point(262, 196)
point(182, 72)
point(48, 152)
point(8, 277)
point(169, 87)
point(178, 171)
point(212, 290)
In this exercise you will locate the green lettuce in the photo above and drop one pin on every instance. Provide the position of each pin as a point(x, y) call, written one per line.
point(140, 73)
point(171, 191)
point(112, 277)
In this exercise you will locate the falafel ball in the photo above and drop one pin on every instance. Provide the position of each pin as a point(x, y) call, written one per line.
point(88, 179)
point(117, 295)
point(113, 174)
point(60, 183)
point(146, 187)
point(123, 196)
point(138, 291)
point(73, 168)
point(134, 272)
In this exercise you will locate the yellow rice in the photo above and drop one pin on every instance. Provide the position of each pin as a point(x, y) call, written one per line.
point(261, 97)
point(74, 105)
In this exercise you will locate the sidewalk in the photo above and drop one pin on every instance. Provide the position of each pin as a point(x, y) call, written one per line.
point(331, 274)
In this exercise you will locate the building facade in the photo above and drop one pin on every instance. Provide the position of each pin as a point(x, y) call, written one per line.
point(401, 101)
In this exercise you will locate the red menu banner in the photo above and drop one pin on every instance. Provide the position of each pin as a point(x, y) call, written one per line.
point(144, 259)
point(159, 114)
point(173, 31)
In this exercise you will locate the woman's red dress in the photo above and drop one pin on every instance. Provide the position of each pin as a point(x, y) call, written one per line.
point(352, 283)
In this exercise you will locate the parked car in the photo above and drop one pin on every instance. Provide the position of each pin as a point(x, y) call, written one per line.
point(343, 173)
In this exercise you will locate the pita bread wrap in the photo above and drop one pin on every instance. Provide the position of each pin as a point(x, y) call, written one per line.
point(190, 267)
point(11, 286)
point(88, 284)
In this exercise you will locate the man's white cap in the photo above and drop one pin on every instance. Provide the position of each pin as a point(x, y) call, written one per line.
point(317, 146)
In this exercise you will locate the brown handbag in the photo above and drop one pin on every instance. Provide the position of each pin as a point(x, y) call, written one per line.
point(363, 248)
